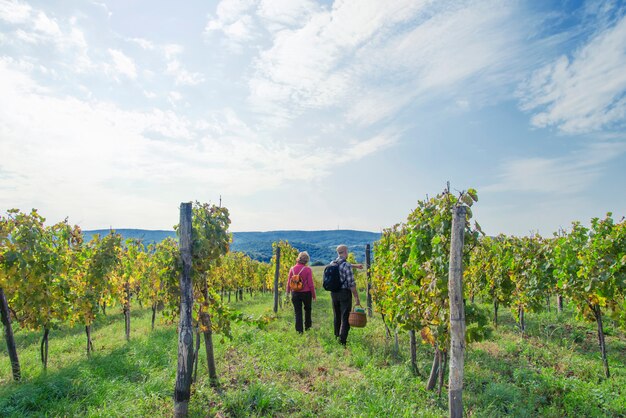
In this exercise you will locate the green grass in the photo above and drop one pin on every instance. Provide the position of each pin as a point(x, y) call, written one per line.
point(554, 370)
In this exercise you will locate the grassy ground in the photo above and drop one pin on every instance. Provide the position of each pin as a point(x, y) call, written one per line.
point(554, 370)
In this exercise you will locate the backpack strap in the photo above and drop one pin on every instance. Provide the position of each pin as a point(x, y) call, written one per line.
point(342, 261)
point(299, 273)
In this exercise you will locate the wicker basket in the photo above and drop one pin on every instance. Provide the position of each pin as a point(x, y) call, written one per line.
point(357, 319)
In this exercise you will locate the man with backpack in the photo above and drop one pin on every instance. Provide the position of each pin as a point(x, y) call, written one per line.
point(339, 279)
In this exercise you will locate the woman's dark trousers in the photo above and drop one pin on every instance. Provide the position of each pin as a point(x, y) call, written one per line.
point(299, 300)
point(342, 305)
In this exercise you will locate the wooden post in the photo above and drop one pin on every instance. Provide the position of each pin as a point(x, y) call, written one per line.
point(276, 279)
point(413, 348)
point(495, 312)
point(154, 309)
point(434, 371)
point(89, 342)
point(8, 336)
point(127, 310)
point(196, 356)
point(182, 390)
point(205, 319)
point(457, 314)
point(597, 312)
point(369, 279)
point(44, 348)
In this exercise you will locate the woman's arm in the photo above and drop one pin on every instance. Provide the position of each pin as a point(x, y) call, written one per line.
point(288, 290)
point(312, 283)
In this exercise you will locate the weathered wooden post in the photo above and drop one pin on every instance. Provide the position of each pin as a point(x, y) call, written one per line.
point(182, 390)
point(457, 314)
point(368, 260)
point(8, 336)
point(276, 279)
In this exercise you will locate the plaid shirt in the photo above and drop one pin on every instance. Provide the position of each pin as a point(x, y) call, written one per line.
point(345, 273)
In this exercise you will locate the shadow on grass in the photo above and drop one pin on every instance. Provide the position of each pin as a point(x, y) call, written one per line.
point(86, 383)
point(25, 338)
point(513, 382)
point(561, 332)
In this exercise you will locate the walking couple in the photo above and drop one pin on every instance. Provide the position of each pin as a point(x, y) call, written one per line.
point(341, 299)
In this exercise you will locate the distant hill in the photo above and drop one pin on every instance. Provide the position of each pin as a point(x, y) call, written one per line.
point(319, 244)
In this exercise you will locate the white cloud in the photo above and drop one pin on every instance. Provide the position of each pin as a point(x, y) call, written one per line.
point(37, 28)
point(172, 50)
point(28, 37)
point(563, 175)
point(143, 43)
point(144, 158)
point(181, 75)
point(240, 30)
point(123, 64)
point(231, 10)
point(14, 11)
point(104, 7)
point(234, 19)
point(286, 13)
point(360, 54)
point(47, 26)
point(585, 92)
point(175, 96)
point(360, 149)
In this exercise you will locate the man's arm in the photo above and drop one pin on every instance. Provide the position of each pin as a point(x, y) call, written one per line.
point(356, 295)
point(352, 283)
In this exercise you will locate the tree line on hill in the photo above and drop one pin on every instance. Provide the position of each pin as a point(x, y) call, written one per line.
point(258, 245)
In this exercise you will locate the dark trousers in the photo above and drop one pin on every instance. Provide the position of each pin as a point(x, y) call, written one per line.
point(300, 299)
point(342, 305)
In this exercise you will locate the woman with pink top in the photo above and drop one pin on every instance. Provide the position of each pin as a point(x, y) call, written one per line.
point(302, 297)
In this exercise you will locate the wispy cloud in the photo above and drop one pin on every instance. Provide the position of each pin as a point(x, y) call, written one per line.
point(389, 56)
point(280, 14)
point(35, 27)
point(123, 64)
point(571, 174)
point(143, 43)
point(122, 153)
point(181, 76)
point(234, 20)
point(173, 65)
point(584, 92)
point(47, 26)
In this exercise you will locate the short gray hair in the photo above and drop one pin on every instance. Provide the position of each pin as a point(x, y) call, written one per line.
point(342, 249)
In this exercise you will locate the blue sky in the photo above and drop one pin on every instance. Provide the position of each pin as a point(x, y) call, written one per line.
point(313, 115)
